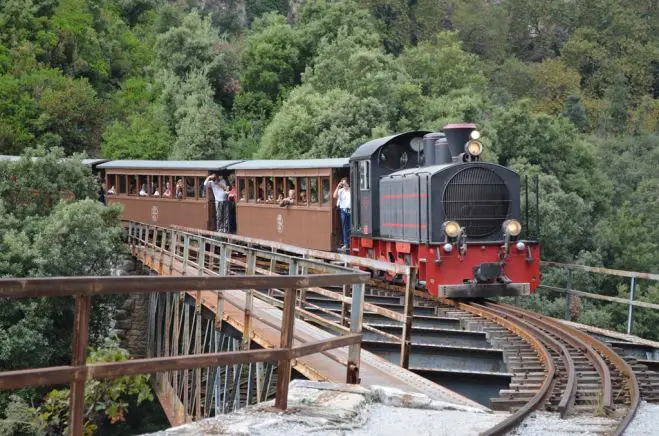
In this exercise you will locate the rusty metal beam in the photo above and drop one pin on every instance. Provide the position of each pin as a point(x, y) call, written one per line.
point(284, 365)
point(69, 286)
point(318, 254)
point(408, 314)
point(80, 343)
point(614, 272)
point(98, 371)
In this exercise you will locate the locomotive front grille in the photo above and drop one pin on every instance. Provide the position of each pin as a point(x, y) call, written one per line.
point(478, 199)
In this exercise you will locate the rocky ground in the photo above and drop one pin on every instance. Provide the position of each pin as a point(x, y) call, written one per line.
point(333, 409)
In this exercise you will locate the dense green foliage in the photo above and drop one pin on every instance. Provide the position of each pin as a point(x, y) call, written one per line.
point(41, 235)
point(566, 90)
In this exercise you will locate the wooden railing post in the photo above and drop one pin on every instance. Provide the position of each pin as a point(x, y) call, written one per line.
point(80, 342)
point(406, 337)
point(284, 366)
point(356, 319)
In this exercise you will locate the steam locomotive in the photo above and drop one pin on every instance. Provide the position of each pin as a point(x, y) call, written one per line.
point(419, 198)
point(425, 199)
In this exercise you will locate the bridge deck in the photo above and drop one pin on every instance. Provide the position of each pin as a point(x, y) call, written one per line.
point(266, 319)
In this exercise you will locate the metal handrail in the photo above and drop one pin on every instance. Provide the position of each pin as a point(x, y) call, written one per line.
point(83, 288)
point(632, 275)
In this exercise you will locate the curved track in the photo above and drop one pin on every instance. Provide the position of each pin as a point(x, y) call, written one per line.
point(581, 375)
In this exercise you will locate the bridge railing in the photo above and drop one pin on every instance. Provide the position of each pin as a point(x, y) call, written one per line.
point(633, 277)
point(83, 289)
point(317, 260)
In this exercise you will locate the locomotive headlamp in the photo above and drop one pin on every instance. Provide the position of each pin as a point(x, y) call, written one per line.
point(451, 229)
point(475, 134)
point(474, 148)
point(512, 227)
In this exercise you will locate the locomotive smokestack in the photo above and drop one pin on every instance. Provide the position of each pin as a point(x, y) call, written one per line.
point(457, 136)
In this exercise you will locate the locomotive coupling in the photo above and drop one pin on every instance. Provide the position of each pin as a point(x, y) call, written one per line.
point(487, 272)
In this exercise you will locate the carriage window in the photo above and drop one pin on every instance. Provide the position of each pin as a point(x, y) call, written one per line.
point(313, 190)
point(132, 185)
point(122, 184)
point(302, 194)
point(167, 187)
point(280, 192)
point(291, 185)
point(241, 189)
point(190, 187)
point(269, 190)
point(154, 185)
point(250, 189)
point(200, 187)
point(178, 190)
point(365, 175)
point(142, 186)
point(325, 181)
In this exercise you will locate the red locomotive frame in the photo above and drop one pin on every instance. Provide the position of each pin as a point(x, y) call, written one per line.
point(454, 269)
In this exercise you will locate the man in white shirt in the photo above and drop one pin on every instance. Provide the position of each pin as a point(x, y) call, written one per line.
point(219, 187)
point(342, 197)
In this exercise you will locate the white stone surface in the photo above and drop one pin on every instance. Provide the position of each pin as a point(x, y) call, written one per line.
point(332, 409)
point(645, 422)
point(551, 424)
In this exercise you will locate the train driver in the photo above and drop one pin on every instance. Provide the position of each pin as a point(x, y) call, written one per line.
point(342, 197)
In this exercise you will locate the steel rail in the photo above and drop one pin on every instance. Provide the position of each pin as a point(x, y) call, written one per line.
point(606, 351)
point(595, 359)
point(569, 393)
point(540, 397)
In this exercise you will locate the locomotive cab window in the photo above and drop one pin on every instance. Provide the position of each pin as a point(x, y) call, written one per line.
point(393, 157)
point(365, 175)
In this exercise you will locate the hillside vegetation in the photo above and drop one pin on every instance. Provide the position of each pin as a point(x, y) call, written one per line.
point(566, 90)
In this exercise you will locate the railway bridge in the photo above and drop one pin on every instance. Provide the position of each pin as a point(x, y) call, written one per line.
point(228, 320)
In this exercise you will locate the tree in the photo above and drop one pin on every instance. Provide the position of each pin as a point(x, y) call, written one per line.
point(196, 46)
point(441, 66)
point(200, 135)
point(553, 83)
point(45, 105)
point(271, 62)
point(320, 21)
point(565, 218)
point(144, 136)
point(393, 22)
point(106, 401)
point(313, 125)
point(512, 80)
point(576, 113)
point(616, 118)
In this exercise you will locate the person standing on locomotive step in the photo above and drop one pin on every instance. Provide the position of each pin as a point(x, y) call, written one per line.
point(342, 197)
point(221, 206)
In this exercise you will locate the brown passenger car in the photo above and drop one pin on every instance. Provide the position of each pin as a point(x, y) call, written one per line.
point(141, 187)
point(310, 220)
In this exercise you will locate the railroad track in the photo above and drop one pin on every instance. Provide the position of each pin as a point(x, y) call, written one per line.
point(558, 369)
point(554, 367)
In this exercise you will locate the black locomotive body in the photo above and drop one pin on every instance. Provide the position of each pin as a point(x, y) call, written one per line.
point(425, 199)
